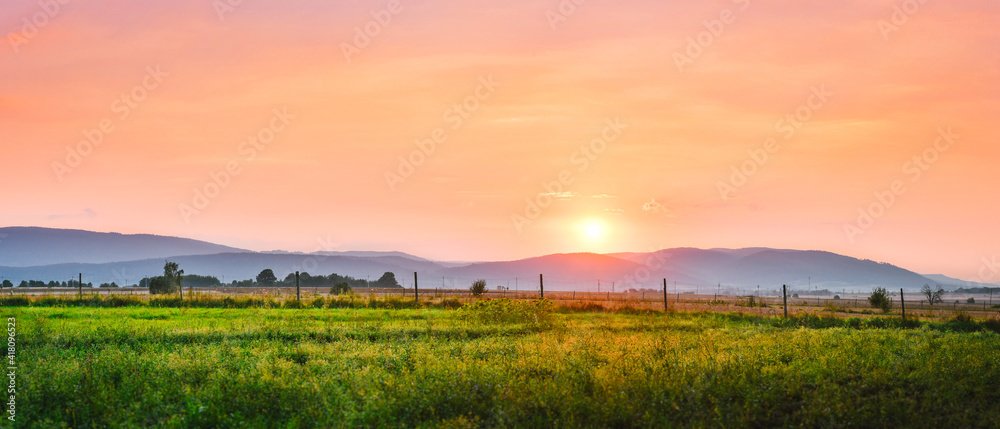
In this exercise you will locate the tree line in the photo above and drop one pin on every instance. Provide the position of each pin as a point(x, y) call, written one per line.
point(173, 278)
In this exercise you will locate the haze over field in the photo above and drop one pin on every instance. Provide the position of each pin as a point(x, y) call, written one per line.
point(481, 131)
point(48, 254)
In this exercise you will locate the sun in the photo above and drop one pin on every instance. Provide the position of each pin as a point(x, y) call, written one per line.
point(594, 230)
point(592, 233)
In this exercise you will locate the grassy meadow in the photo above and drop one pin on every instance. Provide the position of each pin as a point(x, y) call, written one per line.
point(493, 364)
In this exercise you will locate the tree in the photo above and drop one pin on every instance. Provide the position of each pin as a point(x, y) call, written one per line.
point(172, 273)
point(880, 299)
point(340, 288)
point(194, 280)
point(161, 285)
point(386, 281)
point(478, 287)
point(23, 284)
point(933, 296)
point(7, 284)
point(266, 278)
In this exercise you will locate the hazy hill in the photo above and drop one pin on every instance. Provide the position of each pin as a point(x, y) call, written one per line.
point(33, 246)
point(951, 282)
point(52, 254)
point(771, 268)
point(580, 271)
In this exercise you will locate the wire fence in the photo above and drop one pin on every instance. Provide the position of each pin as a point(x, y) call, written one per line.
point(648, 299)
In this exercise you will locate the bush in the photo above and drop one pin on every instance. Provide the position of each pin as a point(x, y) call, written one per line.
point(339, 288)
point(161, 285)
point(880, 299)
point(478, 287)
point(970, 300)
point(836, 297)
point(14, 301)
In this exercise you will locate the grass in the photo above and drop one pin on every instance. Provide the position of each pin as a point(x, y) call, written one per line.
point(495, 364)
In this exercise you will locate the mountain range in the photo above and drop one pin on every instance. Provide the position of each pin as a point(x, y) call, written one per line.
point(32, 253)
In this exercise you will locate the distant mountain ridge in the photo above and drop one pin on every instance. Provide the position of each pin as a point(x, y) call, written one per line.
point(35, 246)
point(47, 254)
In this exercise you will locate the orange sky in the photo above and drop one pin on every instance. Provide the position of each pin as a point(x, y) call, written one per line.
point(557, 78)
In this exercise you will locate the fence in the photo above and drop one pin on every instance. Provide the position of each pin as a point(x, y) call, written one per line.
point(855, 303)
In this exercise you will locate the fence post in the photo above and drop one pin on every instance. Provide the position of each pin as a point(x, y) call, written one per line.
point(79, 286)
point(784, 292)
point(298, 296)
point(665, 308)
point(541, 286)
point(902, 303)
point(416, 291)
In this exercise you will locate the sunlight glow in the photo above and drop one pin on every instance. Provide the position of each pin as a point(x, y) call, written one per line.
point(594, 230)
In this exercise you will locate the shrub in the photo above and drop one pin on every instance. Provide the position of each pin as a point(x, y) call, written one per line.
point(962, 317)
point(970, 300)
point(161, 285)
point(478, 287)
point(836, 297)
point(339, 288)
point(14, 301)
point(933, 296)
point(880, 299)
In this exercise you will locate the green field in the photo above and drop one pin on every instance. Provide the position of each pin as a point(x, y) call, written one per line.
point(496, 365)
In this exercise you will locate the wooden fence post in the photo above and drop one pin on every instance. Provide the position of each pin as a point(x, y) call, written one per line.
point(416, 291)
point(541, 286)
point(784, 292)
point(79, 285)
point(902, 303)
point(665, 308)
point(298, 296)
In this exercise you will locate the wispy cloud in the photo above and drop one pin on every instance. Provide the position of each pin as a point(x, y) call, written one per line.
point(85, 214)
point(653, 206)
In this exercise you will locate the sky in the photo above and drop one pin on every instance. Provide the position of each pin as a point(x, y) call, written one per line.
point(489, 130)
